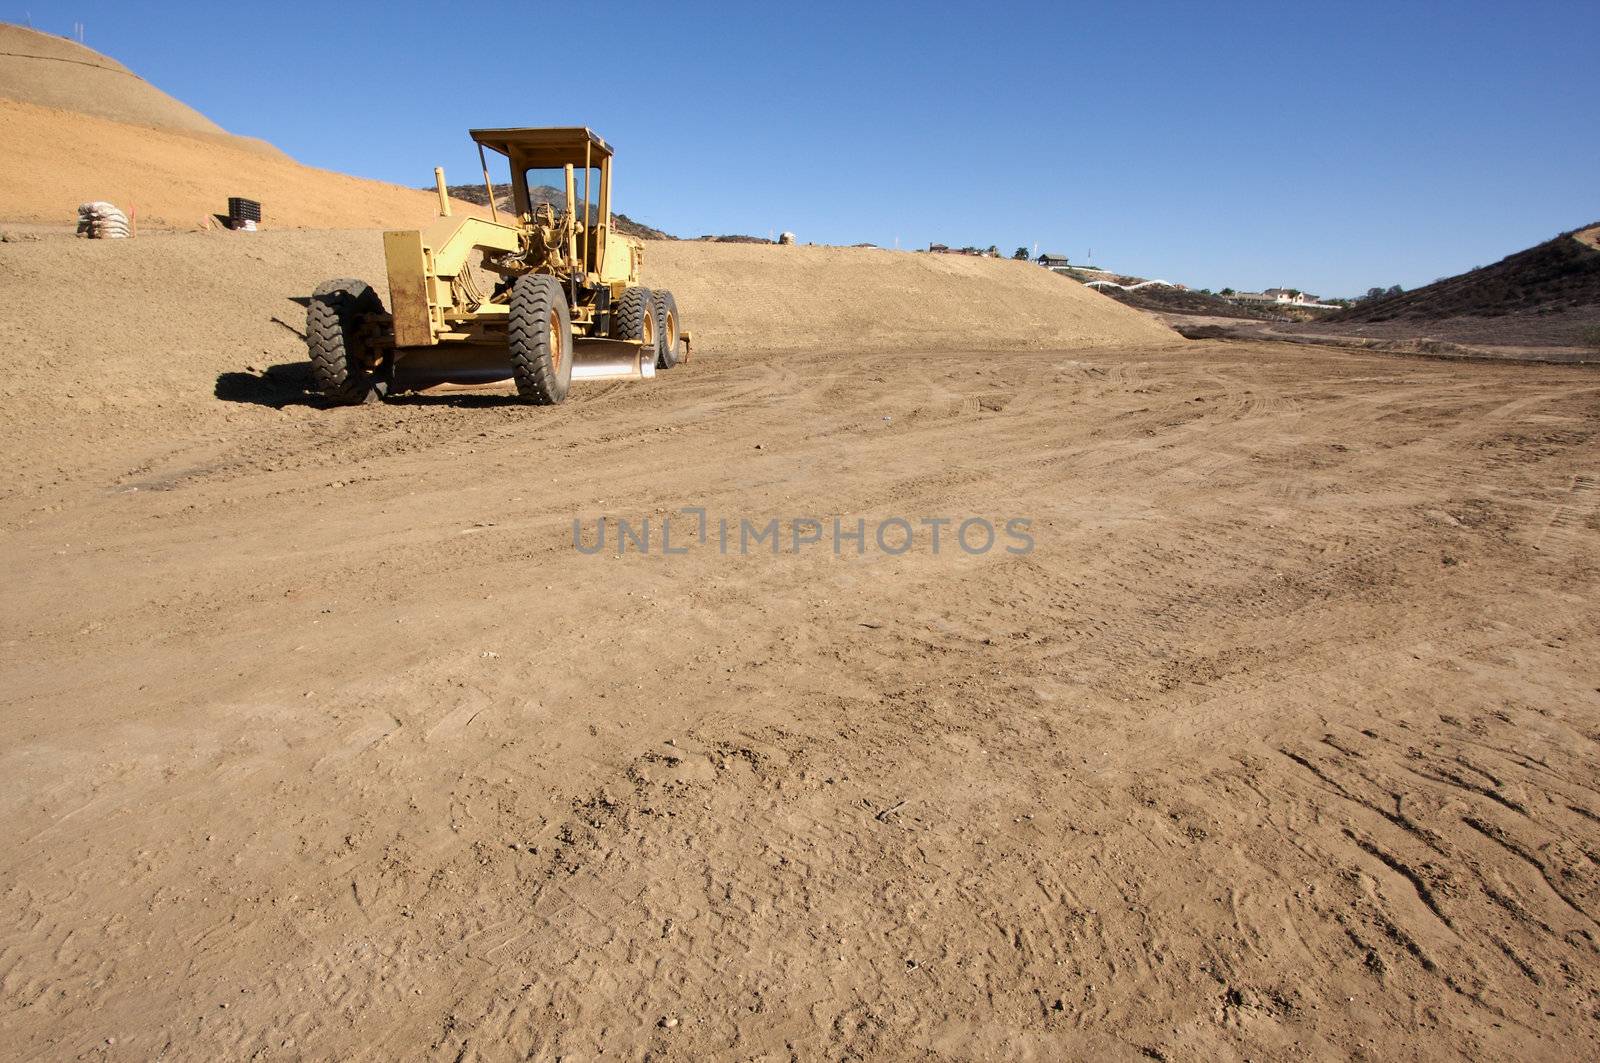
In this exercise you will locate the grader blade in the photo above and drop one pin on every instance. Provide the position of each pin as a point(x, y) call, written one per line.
point(456, 368)
point(450, 367)
point(600, 359)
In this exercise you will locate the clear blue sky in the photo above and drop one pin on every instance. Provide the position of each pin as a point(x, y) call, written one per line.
point(1330, 146)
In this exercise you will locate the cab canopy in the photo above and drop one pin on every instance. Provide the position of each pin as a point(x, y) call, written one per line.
point(547, 147)
point(538, 157)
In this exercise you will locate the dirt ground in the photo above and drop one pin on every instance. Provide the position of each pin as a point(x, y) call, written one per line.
point(1392, 338)
point(1573, 332)
point(320, 739)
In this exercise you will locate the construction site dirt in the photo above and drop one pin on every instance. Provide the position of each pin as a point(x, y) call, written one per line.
point(319, 732)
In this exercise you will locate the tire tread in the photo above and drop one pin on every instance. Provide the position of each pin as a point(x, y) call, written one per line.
point(332, 317)
point(532, 298)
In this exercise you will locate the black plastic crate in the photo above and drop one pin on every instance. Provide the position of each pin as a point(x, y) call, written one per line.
point(240, 209)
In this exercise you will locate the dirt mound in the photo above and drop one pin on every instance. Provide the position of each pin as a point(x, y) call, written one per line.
point(768, 297)
point(177, 179)
point(1548, 295)
point(171, 322)
point(51, 71)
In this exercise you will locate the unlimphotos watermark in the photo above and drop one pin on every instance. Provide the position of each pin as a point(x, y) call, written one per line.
point(692, 527)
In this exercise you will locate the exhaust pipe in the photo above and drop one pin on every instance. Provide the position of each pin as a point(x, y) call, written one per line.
point(444, 195)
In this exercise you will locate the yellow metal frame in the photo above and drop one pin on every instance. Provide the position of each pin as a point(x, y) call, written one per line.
point(433, 291)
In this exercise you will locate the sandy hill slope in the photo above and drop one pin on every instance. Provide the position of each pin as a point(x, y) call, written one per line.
point(1548, 294)
point(54, 72)
point(767, 297)
point(57, 159)
point(169, 327)
point(78, 126)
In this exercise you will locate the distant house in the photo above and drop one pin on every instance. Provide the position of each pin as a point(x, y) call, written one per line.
point(1058, 263)
point(1290, 296)
point(1278, 296)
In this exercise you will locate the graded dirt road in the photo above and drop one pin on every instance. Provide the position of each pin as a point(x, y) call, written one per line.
point(321, 740)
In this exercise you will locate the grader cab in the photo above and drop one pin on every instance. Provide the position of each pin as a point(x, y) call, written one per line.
point(542, 298)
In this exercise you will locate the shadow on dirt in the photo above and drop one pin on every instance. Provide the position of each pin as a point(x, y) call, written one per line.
point(289, 384)
point(283, 385)
point(461, 399)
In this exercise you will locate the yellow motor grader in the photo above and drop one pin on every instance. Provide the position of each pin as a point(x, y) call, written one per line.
point(544, 298)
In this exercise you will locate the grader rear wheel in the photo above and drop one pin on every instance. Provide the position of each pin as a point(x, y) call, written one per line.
point(668, 328)
point(540, 331)
point(635, 318)
point(345, 368)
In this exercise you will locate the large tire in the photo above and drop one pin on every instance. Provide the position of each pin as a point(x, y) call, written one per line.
point(632, 319)
point(669, 330)
point(540, 331)
point(343, 367)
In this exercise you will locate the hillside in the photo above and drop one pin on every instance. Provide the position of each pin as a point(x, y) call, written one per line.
point(770, 297)
point(1547, 295)
point(79, 126)
point(1162, 298)
point(57, 159)
point(51, 71)
point(1181, 301)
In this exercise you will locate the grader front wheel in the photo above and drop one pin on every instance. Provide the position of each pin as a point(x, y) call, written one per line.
point(540, 330)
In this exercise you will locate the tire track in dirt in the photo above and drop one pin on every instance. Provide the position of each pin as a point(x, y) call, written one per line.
point(900, 792)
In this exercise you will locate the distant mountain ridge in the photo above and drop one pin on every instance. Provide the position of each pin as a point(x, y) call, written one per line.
point(547, 194)
point(1560, 275)
point(1547, 295)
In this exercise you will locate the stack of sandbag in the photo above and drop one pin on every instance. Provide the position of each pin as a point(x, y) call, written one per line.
point(102, 221)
